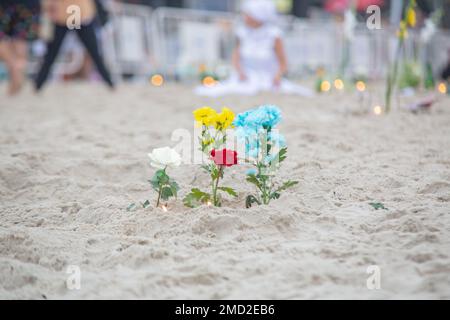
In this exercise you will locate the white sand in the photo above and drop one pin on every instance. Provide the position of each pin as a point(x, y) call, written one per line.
point(72, 159)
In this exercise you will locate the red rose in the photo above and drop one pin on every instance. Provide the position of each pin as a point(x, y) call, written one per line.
point(224, 157)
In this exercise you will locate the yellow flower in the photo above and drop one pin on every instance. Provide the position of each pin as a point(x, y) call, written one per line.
point(224, 119)
point(402, 33)
point(207, 142)
point(205, 116)
point(411, 17)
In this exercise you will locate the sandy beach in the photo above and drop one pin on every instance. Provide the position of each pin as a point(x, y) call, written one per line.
point(73, 158)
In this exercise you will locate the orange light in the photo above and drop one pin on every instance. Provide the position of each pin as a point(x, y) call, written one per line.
point(157, 80)
point(164, 207)
point(442, 88)
point(325, 86)
point(339, 84)
point(377, 110)
point(360, 86)
point(209, 81)
point(209, 203)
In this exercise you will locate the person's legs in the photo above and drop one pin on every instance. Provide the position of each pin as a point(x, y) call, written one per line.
point(7, 56)
point(19, 48)
point(88, 37)
point(50, 56)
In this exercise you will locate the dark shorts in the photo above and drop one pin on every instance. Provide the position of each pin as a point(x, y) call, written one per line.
point(19, 19)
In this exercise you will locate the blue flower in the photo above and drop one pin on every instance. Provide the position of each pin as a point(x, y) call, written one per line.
point(251, 172)
point(266, 116)
point(241, 119)
point(256, 125)
point(271, 116)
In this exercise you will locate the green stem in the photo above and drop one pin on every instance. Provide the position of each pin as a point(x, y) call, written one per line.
point(392, 77)
point(159, 196)
point(160, 190)
point(215, 186)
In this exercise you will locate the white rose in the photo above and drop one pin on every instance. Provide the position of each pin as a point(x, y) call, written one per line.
point(164, 157)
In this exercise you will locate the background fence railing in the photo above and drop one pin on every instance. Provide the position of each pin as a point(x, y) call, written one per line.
point(183, 43)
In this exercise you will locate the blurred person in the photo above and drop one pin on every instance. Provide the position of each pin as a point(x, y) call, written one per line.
point(86, 67)
point(445, 74)
point(259, 58)
point(19, 23)
point(57, 12)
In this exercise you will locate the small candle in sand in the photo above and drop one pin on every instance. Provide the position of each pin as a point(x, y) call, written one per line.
point(209, 81)
point(377, 110)
point(157, 80)
point(164, 208)
point(360, 86)
point(325, 86)
point(442, 88)
point(339, 84)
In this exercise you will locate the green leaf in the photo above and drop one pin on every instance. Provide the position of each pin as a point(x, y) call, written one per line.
point(195, 198)
point(378, 206)
point(279, 157)
point(275, 195)
point(166, 193)
point(131, 207)
point(174, 187)
point(253, 179)
point(286, 185)
point(215, 173)
point(159, 178)
point(207, 168)
point(154, 183)
point(228, 190)
point(250, 200)
point(146, 204)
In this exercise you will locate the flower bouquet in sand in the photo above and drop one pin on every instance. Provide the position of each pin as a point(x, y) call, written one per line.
point(212, 141)
point(165, 186)
point(265, 149)
point(409, 20)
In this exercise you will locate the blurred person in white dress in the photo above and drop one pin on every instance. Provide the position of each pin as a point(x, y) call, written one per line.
point(259, 59)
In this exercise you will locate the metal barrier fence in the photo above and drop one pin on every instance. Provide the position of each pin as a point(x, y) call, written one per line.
point(130, 49)
point(189, 42)
point(310, 45)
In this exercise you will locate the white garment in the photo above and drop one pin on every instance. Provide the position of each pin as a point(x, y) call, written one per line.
point(257, 49)
point(261, 10)
point(260, 65)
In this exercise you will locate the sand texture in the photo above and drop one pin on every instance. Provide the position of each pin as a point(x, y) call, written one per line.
point(73, 158)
